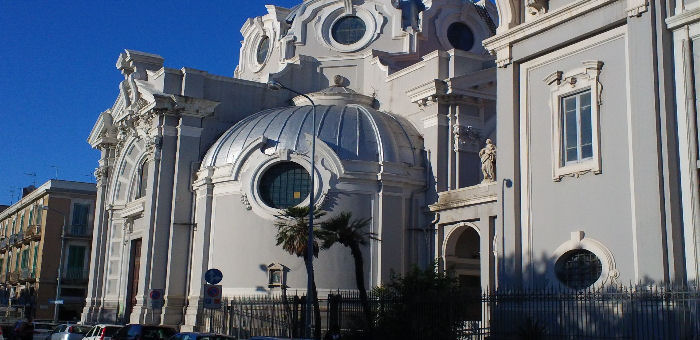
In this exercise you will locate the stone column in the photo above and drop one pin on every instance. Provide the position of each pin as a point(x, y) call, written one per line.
point(100, 241)
point(200, 249)
point(187, 156)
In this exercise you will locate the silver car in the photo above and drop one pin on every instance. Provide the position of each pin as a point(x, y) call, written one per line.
point(69, 332)
point(101, 332)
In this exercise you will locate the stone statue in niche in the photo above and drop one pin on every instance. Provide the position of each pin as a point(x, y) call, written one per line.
point(488, 162)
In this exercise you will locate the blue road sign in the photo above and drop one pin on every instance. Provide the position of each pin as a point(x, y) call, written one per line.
point(57, 302)
point(213, 276)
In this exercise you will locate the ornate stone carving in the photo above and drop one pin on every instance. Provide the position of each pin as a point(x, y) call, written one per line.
point(537, 7)
point(467, 138)
point(488, 162)
point(101, 173)
point(246, 203)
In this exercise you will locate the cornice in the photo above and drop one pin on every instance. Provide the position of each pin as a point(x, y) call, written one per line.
point(685, 18)
point(503, 42)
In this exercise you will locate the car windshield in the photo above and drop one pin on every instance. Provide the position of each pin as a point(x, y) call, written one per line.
point(110, 330)
point(80, 329)
point(157, 333)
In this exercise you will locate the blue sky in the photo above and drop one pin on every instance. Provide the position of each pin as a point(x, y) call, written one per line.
point(57, 70)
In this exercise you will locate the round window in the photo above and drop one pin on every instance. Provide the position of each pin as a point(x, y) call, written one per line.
point(460, 36)
point(578, 268)
point(284, 185)
point(263, 48)
point(349, 30)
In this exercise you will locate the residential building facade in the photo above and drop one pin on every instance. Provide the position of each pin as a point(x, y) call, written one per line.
point(30, 248)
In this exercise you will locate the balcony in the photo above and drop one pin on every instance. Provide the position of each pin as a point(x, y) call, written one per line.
point(75, 275)
point(3, 244)
point(20, 236)
point(13, 239)
point(14, 277)
point(27, 275)
point(79, 231)
point(33, 233)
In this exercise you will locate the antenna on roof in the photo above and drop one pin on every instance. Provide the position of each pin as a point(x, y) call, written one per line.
point(32, 174)
point(55, 168)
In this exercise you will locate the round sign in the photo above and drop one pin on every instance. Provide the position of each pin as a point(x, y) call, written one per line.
point(213, 276)
point(213, 291)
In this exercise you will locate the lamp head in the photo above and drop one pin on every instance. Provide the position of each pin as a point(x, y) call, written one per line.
point(274, 85)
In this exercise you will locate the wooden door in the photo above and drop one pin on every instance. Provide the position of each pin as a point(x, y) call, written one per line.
point(135, 266)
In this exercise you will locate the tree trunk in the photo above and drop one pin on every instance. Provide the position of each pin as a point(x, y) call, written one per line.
point(360, 280)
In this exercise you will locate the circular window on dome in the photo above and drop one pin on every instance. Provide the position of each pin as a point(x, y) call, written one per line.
point(349, 30)
point(284, 185)
point(263, 48)
point(578, 268)
point(460, 36)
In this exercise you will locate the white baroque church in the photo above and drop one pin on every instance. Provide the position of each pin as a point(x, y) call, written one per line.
point(195, 166)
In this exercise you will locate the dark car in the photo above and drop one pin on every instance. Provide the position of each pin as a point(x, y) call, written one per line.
point(143, 332)
point(23, 330)
point(201, 336)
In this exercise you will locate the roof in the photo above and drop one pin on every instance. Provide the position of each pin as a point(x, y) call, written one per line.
point(353, 131)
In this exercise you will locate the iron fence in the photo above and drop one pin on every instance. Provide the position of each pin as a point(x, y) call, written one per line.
point(610, 313)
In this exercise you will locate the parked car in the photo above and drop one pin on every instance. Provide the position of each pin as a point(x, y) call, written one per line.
point(42, 329)
point(69, 332)
point(143, 332)
point(23, 330)
point(102, 332)
point(201, 336)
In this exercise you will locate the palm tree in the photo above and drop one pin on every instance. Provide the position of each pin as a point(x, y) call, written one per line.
point(292, 235)
point(351, 233)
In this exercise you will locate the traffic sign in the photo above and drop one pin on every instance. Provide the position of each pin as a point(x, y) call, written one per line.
point(213, 276)
point(212, 296)
point(157, 298)
point(56, 302)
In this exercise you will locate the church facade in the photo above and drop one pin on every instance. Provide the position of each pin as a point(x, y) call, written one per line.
point(195, 167)
point(597, 142)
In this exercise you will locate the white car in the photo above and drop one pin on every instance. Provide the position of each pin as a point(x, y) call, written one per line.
point(69, 332)
point(101, 332)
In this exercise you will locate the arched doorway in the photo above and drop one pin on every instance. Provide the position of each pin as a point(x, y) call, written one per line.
point(463, 257)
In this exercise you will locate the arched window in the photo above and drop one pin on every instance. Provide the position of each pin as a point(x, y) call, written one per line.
point(142, 180)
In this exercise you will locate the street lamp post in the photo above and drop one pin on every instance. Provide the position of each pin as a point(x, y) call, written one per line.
point(275, 85)
point(60, 261)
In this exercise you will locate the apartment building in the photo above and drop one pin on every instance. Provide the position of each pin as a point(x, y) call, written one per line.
point(50, 226)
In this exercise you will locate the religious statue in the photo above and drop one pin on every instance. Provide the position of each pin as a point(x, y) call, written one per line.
point(488, 162)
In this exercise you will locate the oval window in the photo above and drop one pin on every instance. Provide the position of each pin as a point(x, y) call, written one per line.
point(284, 185)
point(460, 36)
point(578, 269)
point(348, 30)
point(263, 48)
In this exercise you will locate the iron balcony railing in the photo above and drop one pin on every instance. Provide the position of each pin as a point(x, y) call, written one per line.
point(78, 231)
point(26, 274)
point(3, 243)
point(13, 238)
point(75, 274)
point(14, 277)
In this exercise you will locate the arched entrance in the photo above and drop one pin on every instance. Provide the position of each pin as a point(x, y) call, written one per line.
point(463, 256)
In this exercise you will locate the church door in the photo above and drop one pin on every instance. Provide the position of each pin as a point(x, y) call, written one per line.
point(135, 266)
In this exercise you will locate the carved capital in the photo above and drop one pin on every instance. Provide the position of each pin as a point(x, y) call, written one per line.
point(467, 138)
point(537, 7)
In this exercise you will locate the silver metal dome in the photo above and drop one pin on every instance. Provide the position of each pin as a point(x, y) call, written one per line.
point(354, 132)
